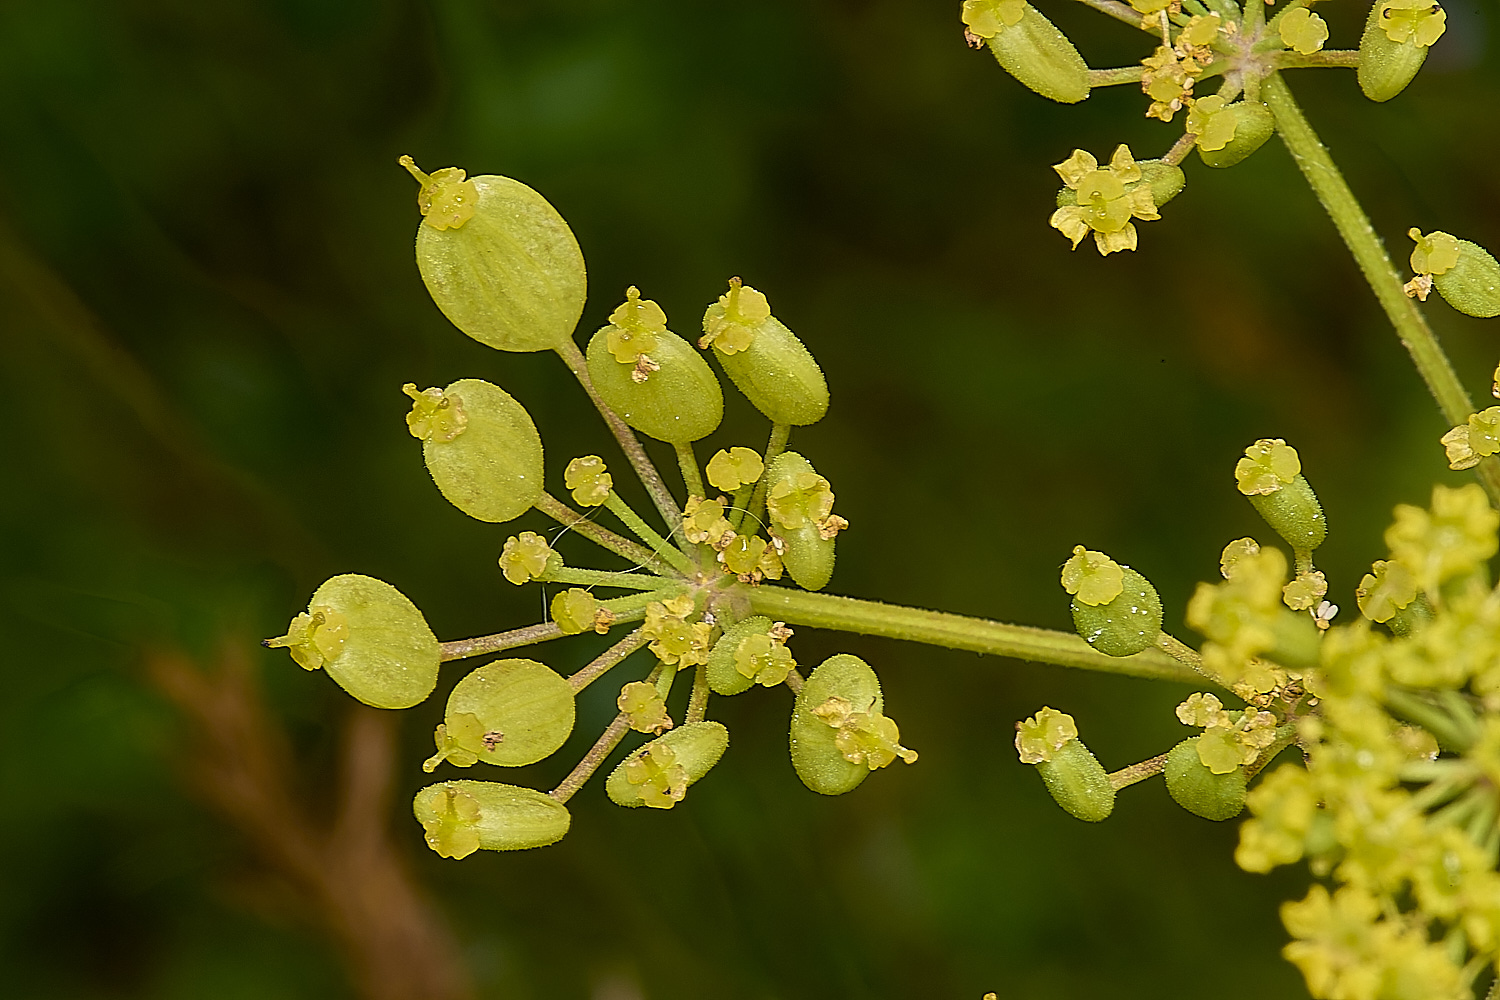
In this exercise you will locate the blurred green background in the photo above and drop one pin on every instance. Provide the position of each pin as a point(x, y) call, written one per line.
point(209, 304)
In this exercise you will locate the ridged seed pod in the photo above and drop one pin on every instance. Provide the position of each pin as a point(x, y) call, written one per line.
point(1198, 790)
point(510, 713)
point(1041, 57)
point(460, 817)
point(1126, 625)
point(724, 677)
point(509, 273)
point(369, 638)
point(676, 398)
point(1472, 286)
point(487, 463)
point(1077, 782)
point(690, 752)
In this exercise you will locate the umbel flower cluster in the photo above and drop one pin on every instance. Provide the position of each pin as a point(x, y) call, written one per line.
point(504, 267)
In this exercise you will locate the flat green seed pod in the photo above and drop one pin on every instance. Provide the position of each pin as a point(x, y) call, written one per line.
point(390, 658)
point(524, 710)
point(1166, 181)
point(724, 676)
point(1198, 790)
point(678, 400)
point(492, 470)
point(1295, 513)
point(1126, 625)
point(1040, 56)
point(695, 747)
point(1472, 286)
point(815, 756)
point(511, 276)
point(1253, 125)
point(808, 557)
point(1385, 67)
point(460, 817)
point(1077, 782)
point(778, 375)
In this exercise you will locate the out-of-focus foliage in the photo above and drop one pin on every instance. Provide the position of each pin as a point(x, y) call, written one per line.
point(208, 305)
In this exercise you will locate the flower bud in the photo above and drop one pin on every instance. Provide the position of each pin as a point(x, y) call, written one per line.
point(509, 272)
point(765, 360)
point(724, 677)
point(1125, 624)
point(1472, 285)
point(369, 638)
point(839, 732)
point(480, 446)
point(1228, 133)
point(659, 773)
point(1077, 782)
point(653, 378)
point(1270, 474)
point(799, 503)
point(1394, 45)
point(460, 817)
point(1029, 48)
point(1199, 790)
point(509, 713)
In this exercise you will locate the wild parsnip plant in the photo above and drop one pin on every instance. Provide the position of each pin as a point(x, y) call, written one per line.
point(1395, 804)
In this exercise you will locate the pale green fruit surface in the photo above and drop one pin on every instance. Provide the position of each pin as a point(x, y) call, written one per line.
point(724, 676)
point(390, 658)
point(778, 375)
point(493, 469)
point(527, 703)
point(1042, 58)
point(1198, 790)
point(697, 746)
point(679, 402)
point(815, 757)
point(508, 818)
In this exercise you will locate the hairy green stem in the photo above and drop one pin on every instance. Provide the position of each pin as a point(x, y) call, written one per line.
point(633, 521)
point(1114, 77)
point(575, 576)
point(780, 434)
point(597, 753)
point(625, 609)
point(698, 700)
point(1127, 776)
point(1359, 236)
point(688, 463)
point(629, 443)
point(1328, 57)
point(597, 533)
point(606, 660)
point(958, 632)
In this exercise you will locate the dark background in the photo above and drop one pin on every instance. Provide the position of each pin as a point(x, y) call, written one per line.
point(209, 304)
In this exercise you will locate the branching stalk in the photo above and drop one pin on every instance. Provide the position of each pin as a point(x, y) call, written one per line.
point(633, 521)
point(688, 463)
point(606, 660)
point(591, 760)
point(597, 533)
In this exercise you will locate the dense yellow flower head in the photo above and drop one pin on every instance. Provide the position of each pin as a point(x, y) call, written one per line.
point(643, 707)
point(1208, 120)
point(1454, 536)
point(1435, 252)
point(661, 779)
point(524, 557)
point(1386, 589)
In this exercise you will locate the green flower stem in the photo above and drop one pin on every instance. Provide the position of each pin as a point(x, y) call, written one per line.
point(794, 681)
point(1183, 653)
point(1328, 57)
point(688, 462)
point(633, 521)
point(1255, 17)
point(1180, 149)
point(629, 443)
point(1413, 708)
point(739, 505)
point(957, 632)
point(1127, 776)
point(602, 663)
point(1354, 226)
point(780, 434)
point(625, 609)
point(698, 700)
point(1118, 11)
point(576, 576)
point(597, 533)
point(1114, 77)
point(597, 753)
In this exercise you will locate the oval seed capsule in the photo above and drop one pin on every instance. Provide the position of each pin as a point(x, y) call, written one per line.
point(724, 676)
point(369, 638)
point(763, 358)
point(666, 391)
point(480, 446)
point(839, 732)
point(460, 817)
point(509, 273)
point(1295, 513)
point(1394, 44)
point(659, 773)
point(1077, 782)
point(1031, 49)
point(799, 503)
point(1472, 285)
point(1198, 790)
point(509, 713)
point(1252, 124)
point(1125, 625)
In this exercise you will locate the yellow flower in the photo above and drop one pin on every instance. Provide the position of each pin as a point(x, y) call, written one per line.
point(1107, 199)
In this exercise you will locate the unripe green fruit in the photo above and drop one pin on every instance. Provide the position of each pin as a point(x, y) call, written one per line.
point(724, 676)
point(679, 402)
point(1077, 782)
point(1294, 512)
point(1042, 58)
point(806, 554)
point(507, 818)
point(1407, 621)
point(1165, 180)
point(389, 657)
point(524, 710)
point(1198, 790)
point(1386, 67)
point(492, 469)
point(778, 375)
point(512, 276)
point(696, 746)
point(815, 756)
point(1472, 285)
point(1253, 125)
point(1126, 625)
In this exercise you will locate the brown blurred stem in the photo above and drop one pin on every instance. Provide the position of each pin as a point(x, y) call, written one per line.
point(348, 874)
